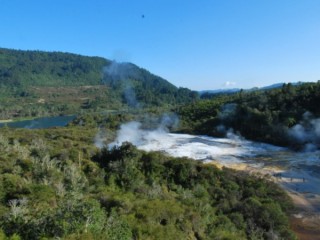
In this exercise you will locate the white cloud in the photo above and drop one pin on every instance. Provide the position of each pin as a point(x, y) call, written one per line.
point(229, 84)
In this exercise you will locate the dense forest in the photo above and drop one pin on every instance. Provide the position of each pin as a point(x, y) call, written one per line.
point(286, 116)
point(36, 83)
point(55, 183)
point(37, 68)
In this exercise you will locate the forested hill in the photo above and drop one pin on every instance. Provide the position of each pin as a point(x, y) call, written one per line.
point(37, 68)
point(59, 83)
point(288, 116)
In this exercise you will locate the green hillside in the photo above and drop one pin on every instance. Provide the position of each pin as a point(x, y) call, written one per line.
point(36, 68)
point(36, 83)
point(286, 116)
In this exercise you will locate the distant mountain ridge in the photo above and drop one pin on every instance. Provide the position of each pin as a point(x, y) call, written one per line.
point(218, 91)
point(234, 90)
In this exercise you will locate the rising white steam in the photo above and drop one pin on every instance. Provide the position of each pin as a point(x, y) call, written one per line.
point(307, 131)
point(230, 152)
point(129, 132)
point(133, 133)
point(228, 111)
point(100, 139)
point(168, 121)
point(118, 75)
point(231, 149)
point(117, 71)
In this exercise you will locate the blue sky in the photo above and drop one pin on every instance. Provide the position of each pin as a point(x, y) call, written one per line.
point(203, 44)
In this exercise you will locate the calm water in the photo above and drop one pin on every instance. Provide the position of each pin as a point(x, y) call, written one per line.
point(44, 122)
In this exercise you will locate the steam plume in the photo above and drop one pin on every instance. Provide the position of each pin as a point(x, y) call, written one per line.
point(134, 133)
point(100, 138)
point(228, 113)
point(118, 75)
point(307, 131)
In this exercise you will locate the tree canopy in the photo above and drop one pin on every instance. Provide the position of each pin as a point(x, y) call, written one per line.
point(266, 116)
point(55, 184)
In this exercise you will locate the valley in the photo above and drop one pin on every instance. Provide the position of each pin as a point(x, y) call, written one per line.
point(109, 150)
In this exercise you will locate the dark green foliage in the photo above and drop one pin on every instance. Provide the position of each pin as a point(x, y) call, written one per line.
point(225, 205)
point(258, 115)
point(117, 228)
point(55, 184)
point(36, 68)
